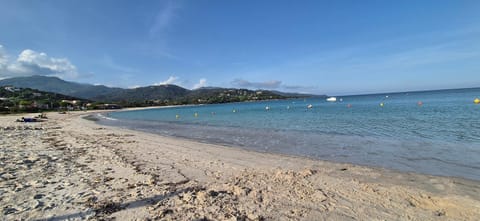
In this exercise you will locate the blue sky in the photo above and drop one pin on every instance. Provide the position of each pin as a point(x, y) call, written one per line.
point(323, 47)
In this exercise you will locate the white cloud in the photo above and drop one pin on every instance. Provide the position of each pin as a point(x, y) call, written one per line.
point(3, 57)
point(201, 83)
point(163, 18)
point(110, 63)
point(30, 62)
point(170, 80)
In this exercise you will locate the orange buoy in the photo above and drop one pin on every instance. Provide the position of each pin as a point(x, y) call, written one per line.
point(419, 103)
point(349, 105)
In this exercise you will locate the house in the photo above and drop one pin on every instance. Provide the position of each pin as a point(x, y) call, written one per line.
point(103, 106)
point(11, 89)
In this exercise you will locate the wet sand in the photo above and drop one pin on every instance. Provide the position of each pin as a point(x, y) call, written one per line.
point(72, 168)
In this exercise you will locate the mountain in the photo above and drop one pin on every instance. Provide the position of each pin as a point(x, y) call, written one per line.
point(140, 94)
point(146, 96)
point(174, 95)
point(57, 85)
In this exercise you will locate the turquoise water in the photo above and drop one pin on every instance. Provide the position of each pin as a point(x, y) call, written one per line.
point(440, 137)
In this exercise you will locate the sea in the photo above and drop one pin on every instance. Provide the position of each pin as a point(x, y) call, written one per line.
point(429, 132)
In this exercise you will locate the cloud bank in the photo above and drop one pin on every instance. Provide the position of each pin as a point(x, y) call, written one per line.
point(30, 62)
point(273, 84)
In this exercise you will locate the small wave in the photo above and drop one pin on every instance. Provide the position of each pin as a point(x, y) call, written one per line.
point(442, 161)
point(105, 117)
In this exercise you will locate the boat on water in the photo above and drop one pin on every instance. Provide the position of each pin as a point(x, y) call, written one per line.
point(331, 99)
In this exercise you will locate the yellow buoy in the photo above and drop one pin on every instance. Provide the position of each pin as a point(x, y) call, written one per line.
point(234, 110)
point(476, 101)
point(177, 116)
point(382, 104)
point(196, 114)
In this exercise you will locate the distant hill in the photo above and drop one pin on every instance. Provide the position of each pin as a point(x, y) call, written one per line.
point(141, 94)
point(57, 85)
point(145, 96)
point(225, 95)
point(174, 95)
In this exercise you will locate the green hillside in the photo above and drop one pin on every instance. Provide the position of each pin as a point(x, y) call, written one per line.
point(14, 100)
point(146, 96)
point(57, 85)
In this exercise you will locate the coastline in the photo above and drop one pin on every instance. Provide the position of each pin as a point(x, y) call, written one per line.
point(69, 167)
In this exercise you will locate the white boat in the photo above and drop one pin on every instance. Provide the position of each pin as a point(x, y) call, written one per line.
point(331, 99)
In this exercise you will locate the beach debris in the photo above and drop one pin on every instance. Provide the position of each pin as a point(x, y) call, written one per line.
point(476, 101)
point(382, 104)
point(177, 116)
point(234, 111)
point(309, 106)
point(440, 213)
point(288, 107)
point(349, 106)
point(195, 114)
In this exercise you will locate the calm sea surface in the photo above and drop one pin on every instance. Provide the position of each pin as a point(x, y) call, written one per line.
point(439, 136)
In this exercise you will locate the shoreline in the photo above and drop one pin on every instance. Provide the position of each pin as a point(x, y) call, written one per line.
point(250, 147)
point(298, 157)
point(137, 175)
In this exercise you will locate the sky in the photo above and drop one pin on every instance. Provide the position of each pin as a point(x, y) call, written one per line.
point(321, 47)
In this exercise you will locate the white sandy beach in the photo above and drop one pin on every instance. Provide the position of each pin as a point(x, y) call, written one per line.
point(71, 168)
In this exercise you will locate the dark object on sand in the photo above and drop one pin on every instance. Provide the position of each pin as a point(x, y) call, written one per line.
point(28, 119)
